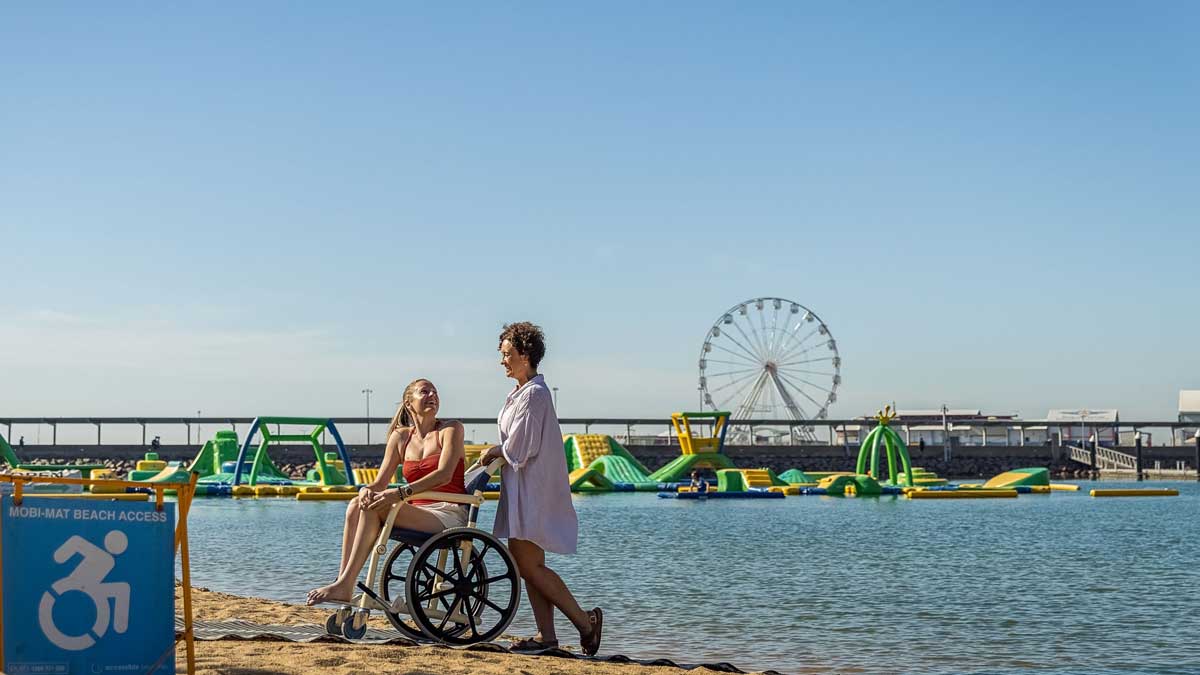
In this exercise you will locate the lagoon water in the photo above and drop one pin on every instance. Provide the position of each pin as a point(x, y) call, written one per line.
point(1060, 583)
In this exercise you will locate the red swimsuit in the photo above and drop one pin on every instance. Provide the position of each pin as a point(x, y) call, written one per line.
point(415, 469)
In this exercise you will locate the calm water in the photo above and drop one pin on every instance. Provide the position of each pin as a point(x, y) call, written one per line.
point(1056, 583)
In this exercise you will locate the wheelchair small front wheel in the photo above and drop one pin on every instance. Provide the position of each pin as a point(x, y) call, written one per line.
point(333, 624)
point(463, 587)
point(355, 625)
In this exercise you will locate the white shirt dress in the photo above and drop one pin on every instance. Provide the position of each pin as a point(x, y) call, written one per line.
point(535, 493)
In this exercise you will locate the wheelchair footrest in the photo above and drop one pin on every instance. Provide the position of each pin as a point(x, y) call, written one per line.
point(370, 593)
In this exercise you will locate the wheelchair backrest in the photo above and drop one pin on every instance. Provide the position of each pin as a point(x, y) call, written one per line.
point(477, 480)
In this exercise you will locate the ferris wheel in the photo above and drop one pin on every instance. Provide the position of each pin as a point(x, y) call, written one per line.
point(770, 358)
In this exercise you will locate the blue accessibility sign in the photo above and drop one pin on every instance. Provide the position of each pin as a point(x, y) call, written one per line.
point(88, 587)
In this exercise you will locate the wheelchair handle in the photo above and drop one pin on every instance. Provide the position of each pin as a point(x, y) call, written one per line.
point(491, 469)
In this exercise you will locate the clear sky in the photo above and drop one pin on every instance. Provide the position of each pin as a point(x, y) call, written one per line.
point(263, 208)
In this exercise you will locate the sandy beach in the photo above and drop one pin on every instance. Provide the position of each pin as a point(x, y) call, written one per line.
point(244, 657)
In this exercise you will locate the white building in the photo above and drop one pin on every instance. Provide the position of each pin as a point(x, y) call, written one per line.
point(933, 426)
point(1189, 412)
point(1189, 405)
point(1077, 426)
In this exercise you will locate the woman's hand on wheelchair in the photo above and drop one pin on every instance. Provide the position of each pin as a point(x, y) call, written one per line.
point(491, 454)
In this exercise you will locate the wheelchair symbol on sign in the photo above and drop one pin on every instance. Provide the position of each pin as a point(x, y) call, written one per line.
point(88, 578)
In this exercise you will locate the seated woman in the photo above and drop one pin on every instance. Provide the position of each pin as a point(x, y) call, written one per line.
point(432, 452)
point(698, 484)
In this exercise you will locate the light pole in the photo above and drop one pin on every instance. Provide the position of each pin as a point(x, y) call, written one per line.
point(945, 434)
point(1095, 471)
point(368, 391)
point(555, 390)
point(1137, 440)
point(198, 436)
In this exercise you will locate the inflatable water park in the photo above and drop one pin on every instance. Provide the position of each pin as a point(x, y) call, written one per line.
point(597, 464)
point(226, 467)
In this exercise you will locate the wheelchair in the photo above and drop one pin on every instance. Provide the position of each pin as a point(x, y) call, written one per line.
point(459, 586)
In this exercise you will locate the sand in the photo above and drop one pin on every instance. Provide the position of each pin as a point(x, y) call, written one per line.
point(237, 657)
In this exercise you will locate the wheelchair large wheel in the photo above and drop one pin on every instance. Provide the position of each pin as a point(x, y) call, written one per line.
point(460, 598)
point(391, 586)
point(452, 629)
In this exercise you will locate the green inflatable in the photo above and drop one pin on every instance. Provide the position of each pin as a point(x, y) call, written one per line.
point(793, 476)
point(885, 438)
point(863, 485)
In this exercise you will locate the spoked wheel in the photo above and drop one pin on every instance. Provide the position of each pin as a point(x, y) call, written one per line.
point(463, 587)
point(391, 586)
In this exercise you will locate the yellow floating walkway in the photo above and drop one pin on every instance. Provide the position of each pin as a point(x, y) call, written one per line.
point(326, 496)
point(960, 494)
point(120, 497)
point(1147, 492)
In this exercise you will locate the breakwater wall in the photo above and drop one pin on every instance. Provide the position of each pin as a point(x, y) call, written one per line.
point(965, 461)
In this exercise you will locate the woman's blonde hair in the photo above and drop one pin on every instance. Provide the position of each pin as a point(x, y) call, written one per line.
point(404, 416)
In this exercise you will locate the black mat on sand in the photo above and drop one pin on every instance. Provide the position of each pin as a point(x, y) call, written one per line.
point(237, 629)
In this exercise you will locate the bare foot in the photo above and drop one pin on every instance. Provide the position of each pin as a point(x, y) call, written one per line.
point(330, 593)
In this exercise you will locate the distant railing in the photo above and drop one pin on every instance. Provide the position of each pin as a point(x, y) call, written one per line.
point(1106, 458)
point(840, 432)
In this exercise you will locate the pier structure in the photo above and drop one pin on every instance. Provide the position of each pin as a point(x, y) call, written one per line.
point(992, 431)
point(974, 446)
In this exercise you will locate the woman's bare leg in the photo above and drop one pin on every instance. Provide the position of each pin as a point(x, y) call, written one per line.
point(543, 614)
point(342, 589)
point(365, 535)
point(353, 513)
point(531, 561)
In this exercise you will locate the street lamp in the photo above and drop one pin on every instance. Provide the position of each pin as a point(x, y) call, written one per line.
point(198, 436)
point(368, 391)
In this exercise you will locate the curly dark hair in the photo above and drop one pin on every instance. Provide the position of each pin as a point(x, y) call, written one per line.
point(527, 339)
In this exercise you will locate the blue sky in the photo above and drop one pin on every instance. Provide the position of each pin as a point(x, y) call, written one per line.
point(262, 209)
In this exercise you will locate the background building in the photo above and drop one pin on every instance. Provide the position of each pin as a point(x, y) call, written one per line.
point(1075, 427)
point(1189, 411)
point(933, 426)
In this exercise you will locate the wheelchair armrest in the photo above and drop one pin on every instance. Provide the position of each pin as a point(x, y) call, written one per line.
point(452, 497)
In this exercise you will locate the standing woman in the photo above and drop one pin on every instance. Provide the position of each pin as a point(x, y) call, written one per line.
point(535, 512)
